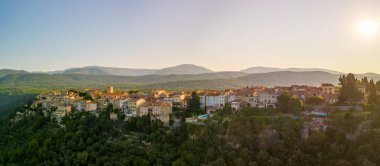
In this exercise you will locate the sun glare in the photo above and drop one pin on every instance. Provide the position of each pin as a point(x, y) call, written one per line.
point(368, 27)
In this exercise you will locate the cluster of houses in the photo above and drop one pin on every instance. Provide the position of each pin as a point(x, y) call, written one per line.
point(263, 97)
point(160, 103)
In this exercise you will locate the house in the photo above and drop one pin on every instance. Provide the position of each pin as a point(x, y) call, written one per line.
point(178, 100)
point(61, 111)
point(102, 103)
point(118, 103)
point(90, 106)
point(144, 109)
point(230, 96)
point(155, 106)
point(252, 100)
point(165, 111)
point(133, 105)
point(235, 106)
point(213, 99)
point(328, 88)
point(329, 93)
point(79, 105)
point(268, 99)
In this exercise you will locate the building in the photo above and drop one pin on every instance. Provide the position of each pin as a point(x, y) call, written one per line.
point(165, 111)
point(328, 89)
point(61, 111)
point(118, 103)
point(235, 106)
point(110, 89)
point(155, 106)
point(252, 100)
point(178, 100)
point(133, 105)
point(79, 105)
point(213, 99)
point(144, 109)
point(90, 106)
point(329, 93)
point(268, 99)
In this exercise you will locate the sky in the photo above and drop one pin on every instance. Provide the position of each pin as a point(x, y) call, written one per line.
point(45, 35)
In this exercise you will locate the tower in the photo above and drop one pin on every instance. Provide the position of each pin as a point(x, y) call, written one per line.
point(110, 89)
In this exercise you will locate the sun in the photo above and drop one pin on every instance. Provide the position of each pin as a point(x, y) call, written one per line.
point(368, 27)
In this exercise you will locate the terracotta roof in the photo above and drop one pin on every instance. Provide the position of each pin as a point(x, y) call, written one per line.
point(327, 84)
point(166, 104)
point(146, 104)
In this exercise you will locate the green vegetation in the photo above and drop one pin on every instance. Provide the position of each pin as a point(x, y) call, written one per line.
point(248, 137)
point(10, 101)
point(194, 106)
point(314, 100)
point(86, 96)
point(349, 92)
point(372, 92)
point(289, 104)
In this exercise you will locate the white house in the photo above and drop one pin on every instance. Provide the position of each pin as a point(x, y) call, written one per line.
point(268, 99)
point(213, 99)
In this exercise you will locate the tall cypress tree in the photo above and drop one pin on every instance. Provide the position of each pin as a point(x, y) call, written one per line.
point(372, 93)
point(365, 82)
point(194, 106)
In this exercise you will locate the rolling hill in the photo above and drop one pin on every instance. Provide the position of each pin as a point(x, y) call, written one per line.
point(4, 72)
point(96, 70)
point(260, 69)
point(184, 69)
point(224, 79)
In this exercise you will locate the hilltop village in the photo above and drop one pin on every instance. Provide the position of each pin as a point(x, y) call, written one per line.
point(159, 104)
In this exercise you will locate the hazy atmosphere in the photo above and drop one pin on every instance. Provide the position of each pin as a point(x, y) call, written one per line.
point(220, 35)
point(190, 82)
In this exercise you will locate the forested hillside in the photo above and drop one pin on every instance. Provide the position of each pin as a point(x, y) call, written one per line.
point(249, 137)
point(10, 101)
point(208, 80)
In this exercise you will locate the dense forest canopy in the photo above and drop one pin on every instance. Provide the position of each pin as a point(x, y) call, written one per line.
point(248, 137)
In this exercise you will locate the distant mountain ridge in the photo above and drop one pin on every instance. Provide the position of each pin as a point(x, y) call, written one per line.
point(184, 69)
point(175, 70)
point(216, 80)
point(4, 72)
point(260, 69)
point(97, 70)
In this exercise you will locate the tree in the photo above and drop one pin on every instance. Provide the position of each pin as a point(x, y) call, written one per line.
point(349, 92)
point(314, 100)
point(365, 82)
point(378, 86)
point(289, 104)
point(372, 93)
point(194, 106)
point(283, 102)
point(86, 96)
point(82, 157)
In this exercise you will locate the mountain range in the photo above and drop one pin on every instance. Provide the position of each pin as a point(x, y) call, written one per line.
point(178, 70)
point(260, 69)
point(178, 77)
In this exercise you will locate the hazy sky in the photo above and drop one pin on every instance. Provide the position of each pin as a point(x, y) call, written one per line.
point(218, 34)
